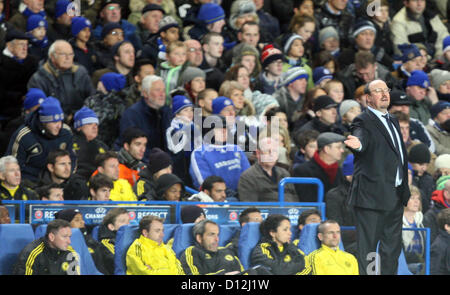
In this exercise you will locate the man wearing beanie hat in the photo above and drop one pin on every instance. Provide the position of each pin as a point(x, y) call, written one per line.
point(192, 214)
point(329, 40)
point(410, 57)
point(210, 17)
point(37, 31)
point(85, 53)
point(148, 23)
point(291, 93)
point(440, 79)
point(349, 109)
point(42, 132)
point(419, 156)
point(440, 113)
point(442, 164)
point(60, 28)
point(418, 87)
point(159, 163)
point(112, 82)
point(272, 68)
point(86, 144)
point(325, 109)
point(408, 25)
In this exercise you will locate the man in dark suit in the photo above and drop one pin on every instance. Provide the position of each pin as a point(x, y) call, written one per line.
point(379, 189)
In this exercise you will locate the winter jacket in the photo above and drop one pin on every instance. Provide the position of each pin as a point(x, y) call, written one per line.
point(420, 110)
point(430, 217)
point(89, 59)
point(86, 151)
point(326, 261)
point(22, 193)
point(285, 260)
point(440, 137)
point(147, 257)
point(255, 185)
point(418, 131)
point(122, 191)
point(198, 261)
point(440, 254)
point(104, 254)
point(129, 167)
point(316, 124)
point(38, 258)
point(70, 87)
point(426, 184)
point(30, 145)
point(287, 104)
point(145, 186)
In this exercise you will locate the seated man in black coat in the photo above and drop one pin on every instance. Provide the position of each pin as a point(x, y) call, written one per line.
point(324, 166)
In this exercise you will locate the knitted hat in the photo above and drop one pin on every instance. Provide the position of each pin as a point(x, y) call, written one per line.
point(418, 78)
point(165, 182)
point(362, 26)
point(320, 74)
point(443, 161)
point(180, 102)
point(439, 107)
point(327, 32)
point(84, 116)
point(78, 24)
point(287, 41)
point(61, 7)
point(36, 21)
point(113, 81)
point(347, 166)
point(152, 7)
point(34, 97)
point(67, 214)
point(158, 160)
point(240, 8)
point(219, 103)
point(346, 105)
point(50, 110)
point(419, 154)
point(294, 74)
point(399, 98)
point(446, 44)
point(210, 13)
point(440, 183)
point(189, 74)
point(190, 213)
point(438, 77)
point(327, 138)
point(323, 102)
point(166, 23)
point(270, 54)
point(109, 27)
point(409, 51)
point(244, 49)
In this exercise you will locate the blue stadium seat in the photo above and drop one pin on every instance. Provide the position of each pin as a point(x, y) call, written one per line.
point(124, 238)
point(309, 242)
point(248, 239)
point(182, 238)
point(13, 238)
point(226, 233)
point(95, 232)
point(402, 269)
point(87, 265)
point(169, 231)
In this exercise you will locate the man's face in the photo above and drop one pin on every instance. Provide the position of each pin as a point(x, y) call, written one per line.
point(313, 218)
point(110, 168)
point(53, 128)
point(77, 221)
point(255, 217)
point(174, 192)
point(171, 34)
point(65, 19)
point(416, 92)
point(335, 150)
point(56, 194)
point(404, 129)
point(415, 6)
point(379, 97)
point(61, 238)
point(327, 116)
point(338, 4)
point(194, 52)
point(275, 68)
point(155, 232)
point(402, 108)
point(90, 131)
point(206, 102)
point(121, 220)
point(11, 176)
point(126, 55)
point(217, 192)
point(250, 35)
point(34, 5)
point(267, 154)
point(413, 64)
point(4, 216)
point(367, 74)
point(111, 13)
point(210, 238)
point(443, 116)
point(62, 167)
point(102, 194)
point(137, 147)
point(144, 71)
point(215, 47)
point(156, 97)
point(19, 48)
point(151, 20)
point(299, 86)
point(113, 37)
point(365, 39)
point(331, 235)
point(217, 26)
point(63, 56)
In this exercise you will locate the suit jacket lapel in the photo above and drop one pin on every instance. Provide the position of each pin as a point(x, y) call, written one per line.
point(382, 129)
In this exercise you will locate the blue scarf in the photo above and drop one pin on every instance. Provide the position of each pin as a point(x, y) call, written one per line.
point(162, 49)
point(27, 13)
point(38, 43)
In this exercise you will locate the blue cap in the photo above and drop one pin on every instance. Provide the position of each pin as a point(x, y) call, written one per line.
point(50, 110)
point(210, 13)
point(34, 97)
point(36, 21)
point(439, 107)
point(84, 116)
point(113, 81)
point(418, 78)
point(61, 7)
point(347, 166)
point(320, 74)
point(180, 102)
point(219, 103)
point(78, 24)
point(409, 51)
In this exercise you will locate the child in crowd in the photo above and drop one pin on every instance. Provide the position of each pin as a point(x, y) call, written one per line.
point(349, 110)
point(37, 28)
point(322, 76)
point(329, 40)
point(306, 142)
point(292, 45)
point(84, 52)
point(335, 89)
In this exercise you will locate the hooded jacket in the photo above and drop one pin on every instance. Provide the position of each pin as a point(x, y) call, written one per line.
point(104, 254)
point(145, 187)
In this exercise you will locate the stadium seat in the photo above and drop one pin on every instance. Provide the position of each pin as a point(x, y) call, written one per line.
point(248, 239)
point(402, 269)
point(226, 233)
point(13, 238)
point(169, 231)
point(87, 265)
point(95, 232)
point(309, 242)
point(182, 238)
point(124, 238)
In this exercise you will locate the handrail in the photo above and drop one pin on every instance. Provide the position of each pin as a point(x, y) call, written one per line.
point(301, 180)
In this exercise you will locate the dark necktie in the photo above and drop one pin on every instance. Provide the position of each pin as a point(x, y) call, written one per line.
point(394, 137)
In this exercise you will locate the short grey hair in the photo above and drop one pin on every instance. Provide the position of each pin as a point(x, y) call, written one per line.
point(200, 227)
point(148, 81)
point(7, 160)
point(52, 48)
